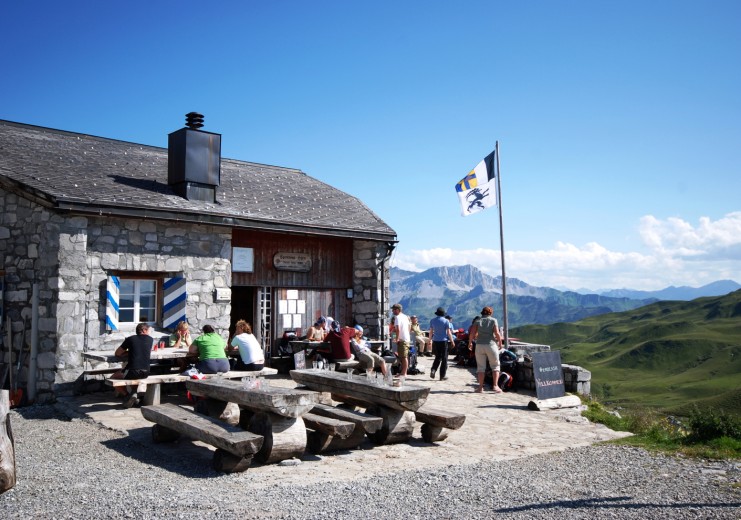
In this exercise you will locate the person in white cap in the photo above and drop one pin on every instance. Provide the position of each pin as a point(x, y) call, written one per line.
point(367, 358)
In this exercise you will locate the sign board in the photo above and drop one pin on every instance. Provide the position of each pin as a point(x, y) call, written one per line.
point(243, 259)
point(548, 375)
point(300, 262)
point(299, 360)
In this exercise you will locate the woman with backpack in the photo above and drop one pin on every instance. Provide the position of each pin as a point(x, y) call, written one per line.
point(485, 333)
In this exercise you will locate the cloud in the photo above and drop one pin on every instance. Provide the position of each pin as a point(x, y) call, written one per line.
point(677, 254)
point(676, 237)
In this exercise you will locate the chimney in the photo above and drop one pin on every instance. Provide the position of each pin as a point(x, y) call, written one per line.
point(194, 160)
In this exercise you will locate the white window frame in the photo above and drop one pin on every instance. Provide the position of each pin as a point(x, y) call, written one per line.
point(137, 301)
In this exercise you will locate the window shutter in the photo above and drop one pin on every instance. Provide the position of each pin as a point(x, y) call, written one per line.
point(111, 305)
point(174, 308)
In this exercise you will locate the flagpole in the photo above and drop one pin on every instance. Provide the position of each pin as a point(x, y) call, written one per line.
point(501, 245)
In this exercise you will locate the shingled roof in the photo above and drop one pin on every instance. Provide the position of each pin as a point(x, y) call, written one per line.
point(84, 174)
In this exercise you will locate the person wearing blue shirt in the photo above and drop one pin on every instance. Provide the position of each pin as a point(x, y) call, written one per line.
point(440, 333)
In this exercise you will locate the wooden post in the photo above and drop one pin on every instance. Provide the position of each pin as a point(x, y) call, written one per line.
point(398, 425)
point(284, 437)
point(7, 445)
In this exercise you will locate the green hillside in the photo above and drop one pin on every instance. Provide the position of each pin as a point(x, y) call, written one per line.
point(667, 355)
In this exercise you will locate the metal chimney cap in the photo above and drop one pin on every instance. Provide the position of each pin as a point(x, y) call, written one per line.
point(194, 120)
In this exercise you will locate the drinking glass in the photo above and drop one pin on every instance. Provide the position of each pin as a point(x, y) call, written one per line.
point(314, 364)
point(369, 374)
point(349, 373)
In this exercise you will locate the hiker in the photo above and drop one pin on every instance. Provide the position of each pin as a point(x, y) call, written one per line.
point(211, 350)
point(339, 342)
point(424, 345)
point(441, 331)
point(251, 357)
point(137, 351)
point(485, 332)
point(367, 358)
point(402, 327)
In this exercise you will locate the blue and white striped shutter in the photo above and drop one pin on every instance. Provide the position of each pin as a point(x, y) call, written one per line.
point(111, 305)
point(174, 308)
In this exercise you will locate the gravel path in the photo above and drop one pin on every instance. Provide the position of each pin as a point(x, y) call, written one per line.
point(79, 469)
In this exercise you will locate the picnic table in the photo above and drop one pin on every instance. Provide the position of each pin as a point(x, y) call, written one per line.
point(275, 413)
point(394, 404)
point(109, 356)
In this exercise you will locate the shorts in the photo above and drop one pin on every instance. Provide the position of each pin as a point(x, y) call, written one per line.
point(213, 365)
point(135, 373)
point(403, 348)
point(486, 351)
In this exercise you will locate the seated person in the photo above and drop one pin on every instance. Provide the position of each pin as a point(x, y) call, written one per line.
point(367, 358)
point(211, 350)
point(316, 332)
point(181, 337)
point(251, 357)
point(339, 342)
point(424, 345)
point(137, 351)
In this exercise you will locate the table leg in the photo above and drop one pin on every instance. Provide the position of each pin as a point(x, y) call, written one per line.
point(284, 437)
point(398, 426)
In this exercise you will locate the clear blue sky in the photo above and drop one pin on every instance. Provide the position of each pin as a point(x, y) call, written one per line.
point(619, 123)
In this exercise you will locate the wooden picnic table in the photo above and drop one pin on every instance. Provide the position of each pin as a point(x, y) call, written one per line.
point(394, 404)
point(273, 412)
point(407, 397)
point(109, 356)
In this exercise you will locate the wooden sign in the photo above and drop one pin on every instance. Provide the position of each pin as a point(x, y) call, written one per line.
point(548, 375)
point(300, 262)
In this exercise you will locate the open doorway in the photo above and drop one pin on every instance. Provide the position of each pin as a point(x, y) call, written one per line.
point(243, 308)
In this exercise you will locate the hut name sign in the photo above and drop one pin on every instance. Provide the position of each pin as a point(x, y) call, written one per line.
point(300, 262)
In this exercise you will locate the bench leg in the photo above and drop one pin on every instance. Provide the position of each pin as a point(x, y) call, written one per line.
point(163, 434)
point(398, 426)
point(434, 433)
point(320, 442)
point(226, 462)
point(151, 394)
point(283, 437)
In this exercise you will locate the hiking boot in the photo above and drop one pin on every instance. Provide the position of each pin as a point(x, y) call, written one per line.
point(133, 400)
point(432, 373)
point(444, 378)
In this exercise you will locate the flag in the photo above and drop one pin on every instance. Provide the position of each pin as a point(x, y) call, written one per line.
point(478, 190)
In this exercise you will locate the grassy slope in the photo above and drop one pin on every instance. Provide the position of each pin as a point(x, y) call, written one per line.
point(668, 355)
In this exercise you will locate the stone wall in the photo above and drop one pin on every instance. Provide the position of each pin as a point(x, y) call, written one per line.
point(576, 379)
point(370, 298)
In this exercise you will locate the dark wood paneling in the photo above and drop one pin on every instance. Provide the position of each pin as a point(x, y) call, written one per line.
point(331, 260)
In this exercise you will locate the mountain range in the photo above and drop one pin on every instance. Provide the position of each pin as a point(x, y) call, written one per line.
point(464, 290)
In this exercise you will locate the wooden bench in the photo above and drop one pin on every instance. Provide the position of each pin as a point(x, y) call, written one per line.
point(234, 446)
point(323, 438)
point(437, 423)
point(150, 385)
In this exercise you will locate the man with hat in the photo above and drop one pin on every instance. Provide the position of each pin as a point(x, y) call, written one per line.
point(403, 328)
point(441, 332)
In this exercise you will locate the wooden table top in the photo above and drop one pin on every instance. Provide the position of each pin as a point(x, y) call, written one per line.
point(288, 402)
point(407, 397)
point(110, 356)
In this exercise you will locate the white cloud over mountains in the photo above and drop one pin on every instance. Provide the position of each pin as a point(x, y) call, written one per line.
point(677, 253)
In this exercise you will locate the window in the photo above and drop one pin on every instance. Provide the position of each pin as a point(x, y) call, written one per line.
point(151, 297)
point(138, 301)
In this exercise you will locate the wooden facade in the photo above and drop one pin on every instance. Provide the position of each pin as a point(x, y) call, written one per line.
point(331, 260)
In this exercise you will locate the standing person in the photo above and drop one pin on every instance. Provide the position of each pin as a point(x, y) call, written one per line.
point(403, 328)
point(211, 350)
point(485, 333)
point(137, 351)
point(440, 333)
point(424, 345)
point(251, 357)
point(339, 342)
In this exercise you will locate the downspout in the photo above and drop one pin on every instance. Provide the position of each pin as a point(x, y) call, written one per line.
point(31, 385)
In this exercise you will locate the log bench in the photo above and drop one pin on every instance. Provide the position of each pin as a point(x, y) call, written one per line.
point(437, 422)
point(150, 385)
point(323, 437)
point(234, 446)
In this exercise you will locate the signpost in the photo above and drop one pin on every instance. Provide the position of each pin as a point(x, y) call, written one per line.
point(548, 375)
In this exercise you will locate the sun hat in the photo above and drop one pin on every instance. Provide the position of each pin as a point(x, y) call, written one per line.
point(397, 306)
point(440, 312)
